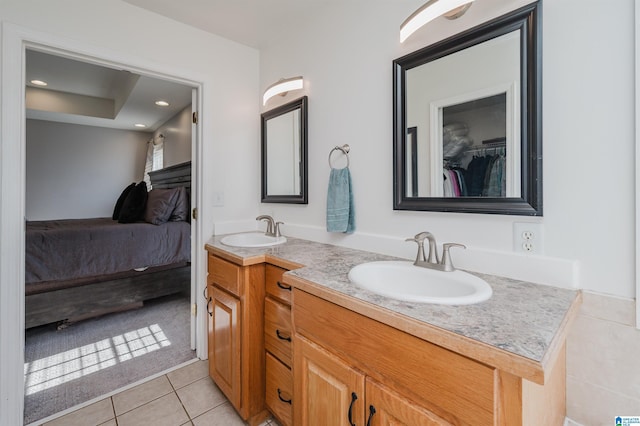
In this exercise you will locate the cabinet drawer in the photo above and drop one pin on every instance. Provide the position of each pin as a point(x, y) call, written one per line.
point(224, 274)
point(275, 286)
point(279, 390)
point(277, 329)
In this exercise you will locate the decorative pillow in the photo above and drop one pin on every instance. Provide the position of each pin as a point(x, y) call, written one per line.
point(181, 212)
point(160, 205)
point(134, 204)
point(120, 202)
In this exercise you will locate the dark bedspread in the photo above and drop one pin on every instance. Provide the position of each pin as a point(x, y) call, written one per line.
point(75, 248)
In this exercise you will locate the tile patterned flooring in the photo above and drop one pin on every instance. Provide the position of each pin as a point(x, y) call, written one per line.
point(186, 396)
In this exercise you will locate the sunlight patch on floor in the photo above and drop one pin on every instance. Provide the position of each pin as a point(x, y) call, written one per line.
point(60, 368)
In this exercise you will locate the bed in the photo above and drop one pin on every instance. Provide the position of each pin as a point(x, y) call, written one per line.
point(81, 268)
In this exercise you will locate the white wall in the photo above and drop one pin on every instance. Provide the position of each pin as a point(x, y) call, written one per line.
point(124, 34)
point(79, 171)
point(588, 160)
point(587, 120)
point(177, 138)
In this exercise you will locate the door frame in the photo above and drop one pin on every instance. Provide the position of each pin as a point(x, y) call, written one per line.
point(15, 40)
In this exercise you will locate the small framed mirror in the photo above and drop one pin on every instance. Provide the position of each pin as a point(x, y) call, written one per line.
point(467, 121)
point(284, 153)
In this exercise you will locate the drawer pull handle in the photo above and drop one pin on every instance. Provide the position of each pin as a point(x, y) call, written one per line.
point(283, 286)
point(208, 299)
point(372, 411)
point(354, 397)
point(282, 337)
point(288, 401)
point(208, 303)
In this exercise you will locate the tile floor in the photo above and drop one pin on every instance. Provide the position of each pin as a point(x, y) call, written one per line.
point(186, 396)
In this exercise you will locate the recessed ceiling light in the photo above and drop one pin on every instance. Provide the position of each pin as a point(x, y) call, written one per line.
point(140, 125)
point(162, 103)
point(38, 82)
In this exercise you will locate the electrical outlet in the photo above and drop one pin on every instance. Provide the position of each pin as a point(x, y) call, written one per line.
point(528, 238)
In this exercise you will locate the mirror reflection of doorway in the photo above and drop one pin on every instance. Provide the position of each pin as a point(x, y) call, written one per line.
point(474, 147)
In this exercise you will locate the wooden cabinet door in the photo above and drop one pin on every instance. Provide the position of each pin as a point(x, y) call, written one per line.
point(385, 408)
point(327, 390)
point(224, 341)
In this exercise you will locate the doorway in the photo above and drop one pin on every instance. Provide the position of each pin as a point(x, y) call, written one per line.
point(13, 207)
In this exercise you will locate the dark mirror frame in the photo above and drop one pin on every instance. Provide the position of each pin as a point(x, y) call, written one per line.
point(527, 20)
point(301, 198)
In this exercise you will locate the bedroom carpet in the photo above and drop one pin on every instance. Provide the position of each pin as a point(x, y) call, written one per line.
point(66, 367)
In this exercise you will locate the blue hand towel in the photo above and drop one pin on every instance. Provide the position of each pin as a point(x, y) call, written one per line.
point(340, 211)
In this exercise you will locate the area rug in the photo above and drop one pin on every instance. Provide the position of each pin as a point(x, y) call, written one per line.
point(91, 358)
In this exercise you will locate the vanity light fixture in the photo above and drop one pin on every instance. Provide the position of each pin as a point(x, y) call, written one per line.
point(282, 87)
point(162, 103)
point(39, 83)
point(450, 9)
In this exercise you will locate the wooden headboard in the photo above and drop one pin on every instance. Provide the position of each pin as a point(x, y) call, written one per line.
point(172, 177)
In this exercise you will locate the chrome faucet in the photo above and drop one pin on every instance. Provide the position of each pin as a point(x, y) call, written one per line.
point(276, 231)
point(432, 260)
point(270, 224)
point(273, 227)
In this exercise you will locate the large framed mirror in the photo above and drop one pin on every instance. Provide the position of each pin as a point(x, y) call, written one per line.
point(467, 117)
point(284, 153)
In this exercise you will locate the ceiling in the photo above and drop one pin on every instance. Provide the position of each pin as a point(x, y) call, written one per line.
point(93, 95)
point(255, 23)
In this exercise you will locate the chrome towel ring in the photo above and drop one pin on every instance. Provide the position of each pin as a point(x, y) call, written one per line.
point(345, 150)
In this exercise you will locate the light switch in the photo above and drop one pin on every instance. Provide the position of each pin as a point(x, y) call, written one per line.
point(218, 199)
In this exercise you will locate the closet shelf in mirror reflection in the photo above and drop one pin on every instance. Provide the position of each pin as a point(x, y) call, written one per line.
point(282, 87)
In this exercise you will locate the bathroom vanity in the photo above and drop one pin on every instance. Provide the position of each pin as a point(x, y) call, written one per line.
point(291, 336)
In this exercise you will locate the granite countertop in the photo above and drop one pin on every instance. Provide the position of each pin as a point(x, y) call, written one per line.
point(521, 318)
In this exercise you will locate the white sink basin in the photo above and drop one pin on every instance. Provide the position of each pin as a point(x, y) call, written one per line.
point(252, 239)
point(405, 281)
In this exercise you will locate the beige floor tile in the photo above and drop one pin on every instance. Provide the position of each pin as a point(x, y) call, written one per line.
point(140, 395)
point(91, 415)
point(200, 396)
point(223, 415)
point(189, 374)
point(164, 411)
point(111, 422)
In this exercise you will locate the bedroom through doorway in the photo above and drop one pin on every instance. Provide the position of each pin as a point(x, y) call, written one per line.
point(109, 277)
